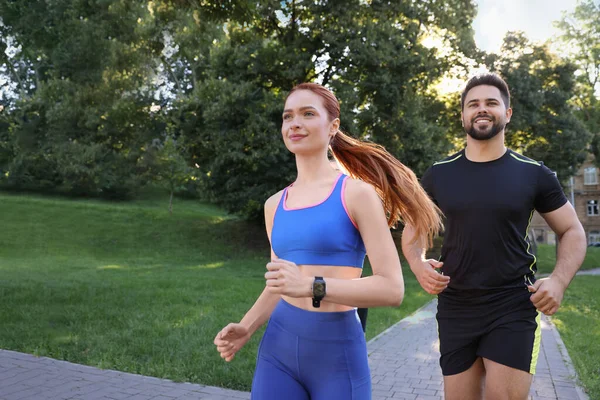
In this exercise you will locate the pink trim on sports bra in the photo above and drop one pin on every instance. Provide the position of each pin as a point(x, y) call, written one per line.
point(284, 197)
point(344, 202)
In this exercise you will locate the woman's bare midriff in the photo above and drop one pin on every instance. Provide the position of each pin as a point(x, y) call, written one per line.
point(326, 272)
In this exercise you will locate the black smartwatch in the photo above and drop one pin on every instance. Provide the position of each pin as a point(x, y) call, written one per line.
point(318, 291)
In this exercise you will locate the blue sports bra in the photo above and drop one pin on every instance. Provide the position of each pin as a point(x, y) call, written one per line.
point(321, 234)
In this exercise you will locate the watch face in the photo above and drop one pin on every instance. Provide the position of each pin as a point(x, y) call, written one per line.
point(319, 289)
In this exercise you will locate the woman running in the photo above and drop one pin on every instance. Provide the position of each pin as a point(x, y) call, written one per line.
point(320, 228)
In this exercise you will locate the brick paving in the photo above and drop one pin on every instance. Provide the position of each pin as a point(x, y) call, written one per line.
point(403, 359)
point(404, 362)
point(26, 377)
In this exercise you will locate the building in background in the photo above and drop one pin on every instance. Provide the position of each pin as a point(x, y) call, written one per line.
point(583, 191)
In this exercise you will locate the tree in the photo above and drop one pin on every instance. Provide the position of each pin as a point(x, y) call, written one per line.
point(220, 70)
point(80, 119)
point(543, 125)
point(370, 53)
point(168, 165)
point(581, 34)
point(238, 145)
point(6, 148)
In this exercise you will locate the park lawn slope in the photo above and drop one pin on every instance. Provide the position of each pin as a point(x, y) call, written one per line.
point(127, 286)
point(546, 258)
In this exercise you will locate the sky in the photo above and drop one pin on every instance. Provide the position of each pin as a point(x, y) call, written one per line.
point(534, 17)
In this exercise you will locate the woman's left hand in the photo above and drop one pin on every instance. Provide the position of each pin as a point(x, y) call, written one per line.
point(285, 278)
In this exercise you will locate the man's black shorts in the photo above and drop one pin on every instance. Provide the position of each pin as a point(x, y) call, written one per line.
point(502, 326)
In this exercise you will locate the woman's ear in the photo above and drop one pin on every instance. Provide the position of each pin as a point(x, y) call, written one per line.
point(334, 127)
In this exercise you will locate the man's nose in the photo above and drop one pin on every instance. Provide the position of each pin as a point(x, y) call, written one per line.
point(482, 109)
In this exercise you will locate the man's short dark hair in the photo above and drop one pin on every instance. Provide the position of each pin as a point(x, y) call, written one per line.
point(489, 79)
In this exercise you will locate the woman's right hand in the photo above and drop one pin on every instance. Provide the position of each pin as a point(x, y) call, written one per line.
point(432, 281)
point(231, 339)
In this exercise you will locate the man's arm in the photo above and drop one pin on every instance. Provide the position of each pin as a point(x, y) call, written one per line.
point(549, 291)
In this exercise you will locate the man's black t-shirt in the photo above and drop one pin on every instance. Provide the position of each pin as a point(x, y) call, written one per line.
point(488, 207)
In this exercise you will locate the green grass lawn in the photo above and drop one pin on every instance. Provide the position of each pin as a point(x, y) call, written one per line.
point(578, 321)
point(546, 258)
point(127, 286)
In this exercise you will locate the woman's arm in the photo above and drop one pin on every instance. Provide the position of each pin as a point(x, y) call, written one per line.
point(386, 286)
point(265, 304)
point(425, 270)
point(235, 335)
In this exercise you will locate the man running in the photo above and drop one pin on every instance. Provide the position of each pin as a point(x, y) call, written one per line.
point(489, 301)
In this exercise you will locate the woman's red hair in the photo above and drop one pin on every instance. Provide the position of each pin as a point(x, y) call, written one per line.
point(403, 197)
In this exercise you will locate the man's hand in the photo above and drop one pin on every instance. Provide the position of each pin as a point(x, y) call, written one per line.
point(230, 340)
point(431, 281)
point(547, 294)
point(285, 278)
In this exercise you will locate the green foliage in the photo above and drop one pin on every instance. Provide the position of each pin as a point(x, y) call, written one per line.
point(68, 140)
point(219, 73)
point(168, 165)
point(388, 74)
point(543, 125)
point(239, 147)
point(371, 54)
point(6, 148)
point(80, 129)
point(581, 34)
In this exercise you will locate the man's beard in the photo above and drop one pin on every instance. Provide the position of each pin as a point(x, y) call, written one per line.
point(487, 134)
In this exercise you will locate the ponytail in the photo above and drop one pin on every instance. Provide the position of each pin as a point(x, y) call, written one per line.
point(404, 200)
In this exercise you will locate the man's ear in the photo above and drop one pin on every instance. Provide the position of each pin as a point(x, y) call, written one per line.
point(508, 115)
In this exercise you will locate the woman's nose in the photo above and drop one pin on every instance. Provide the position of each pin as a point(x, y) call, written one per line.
point(295, 123)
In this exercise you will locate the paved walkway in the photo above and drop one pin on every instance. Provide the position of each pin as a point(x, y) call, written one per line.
point(595, 271)
point(403, 359)
point(404, 362)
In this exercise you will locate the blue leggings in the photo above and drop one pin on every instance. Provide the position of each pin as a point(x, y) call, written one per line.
point(308, 355)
